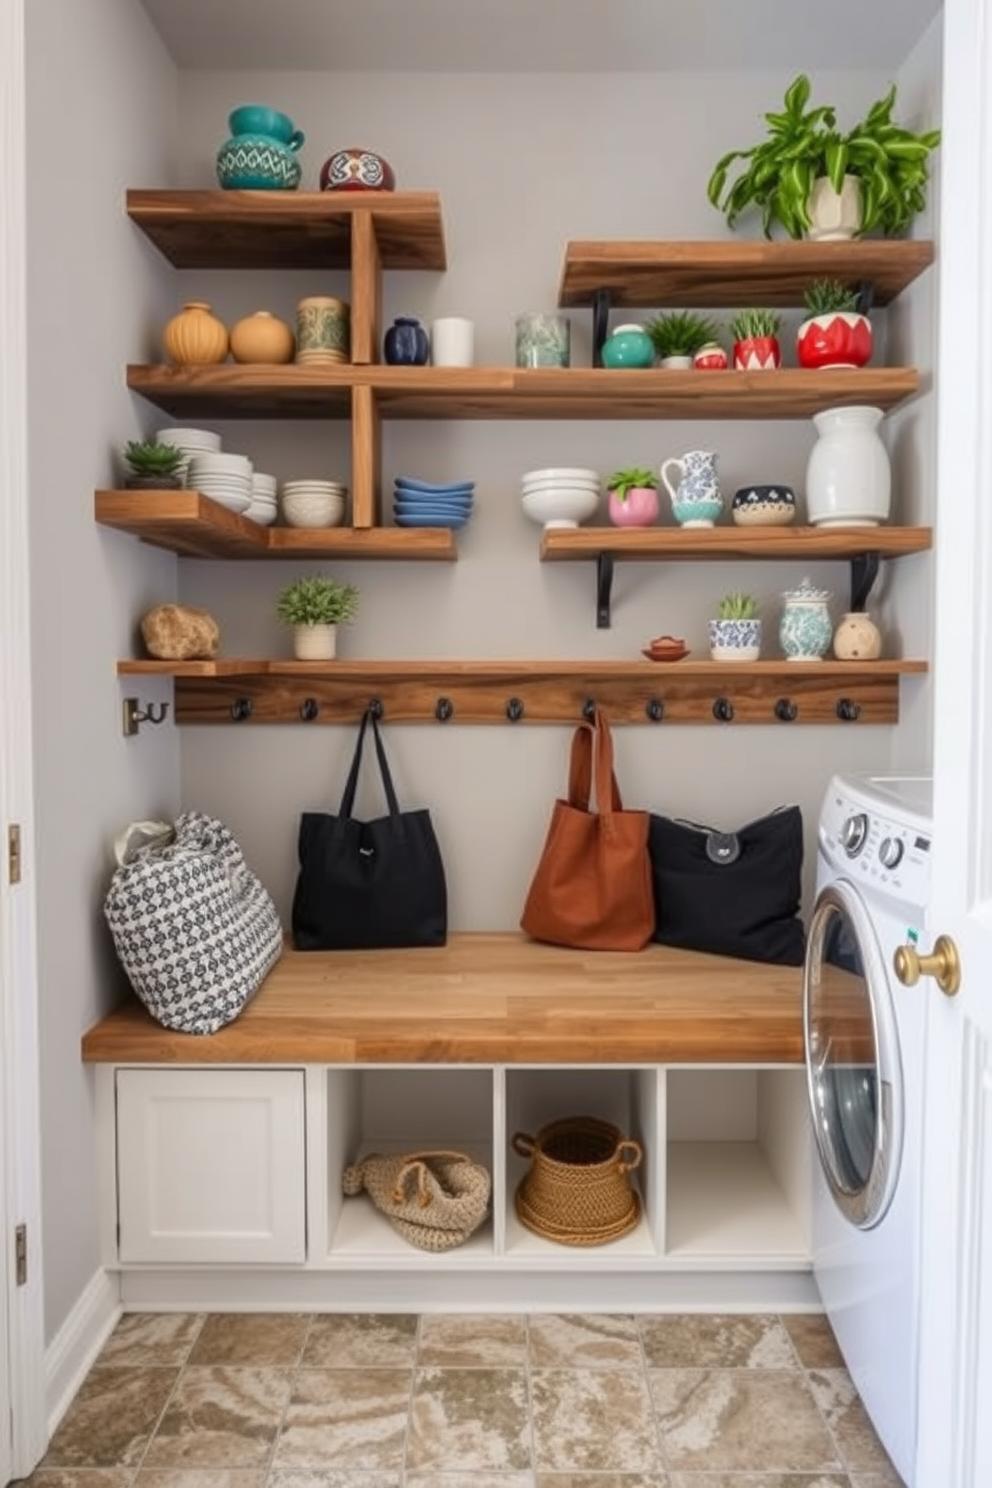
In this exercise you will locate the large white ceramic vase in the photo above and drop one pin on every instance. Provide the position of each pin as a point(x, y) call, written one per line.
point(848, 479)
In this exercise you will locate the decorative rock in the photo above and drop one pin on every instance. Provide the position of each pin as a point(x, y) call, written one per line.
point(180, 633)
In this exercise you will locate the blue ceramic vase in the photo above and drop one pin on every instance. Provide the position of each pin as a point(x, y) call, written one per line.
point(406, 343)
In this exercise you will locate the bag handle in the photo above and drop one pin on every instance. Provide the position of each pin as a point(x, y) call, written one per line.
point(592, 753)
point(417, 1163)
point(351, 784)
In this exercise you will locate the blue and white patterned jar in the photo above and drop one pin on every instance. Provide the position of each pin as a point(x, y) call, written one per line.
point(805, 631)
point(735, 640)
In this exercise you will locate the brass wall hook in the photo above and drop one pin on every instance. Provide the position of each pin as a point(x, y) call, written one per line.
point(134, 715)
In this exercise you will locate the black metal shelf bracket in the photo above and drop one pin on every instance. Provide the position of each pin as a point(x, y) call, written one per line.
point(600, 321)
point(604, 589)
point(864, 572)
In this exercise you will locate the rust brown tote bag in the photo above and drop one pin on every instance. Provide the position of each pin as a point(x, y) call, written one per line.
point(592, 888)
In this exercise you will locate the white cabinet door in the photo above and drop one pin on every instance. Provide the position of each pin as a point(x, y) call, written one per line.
point(210, 1165)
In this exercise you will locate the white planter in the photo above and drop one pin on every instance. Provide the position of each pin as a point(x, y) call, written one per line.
point(848, 480)
point(315, 642)
point(735, 640)
point(832, 215)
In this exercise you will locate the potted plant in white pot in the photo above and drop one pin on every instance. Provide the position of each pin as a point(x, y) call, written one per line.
point(314, 606)
point(735, 634)
point(835, 332)
point(677, 335)
point(756, 343)
point(633, 499)
point(819, 182)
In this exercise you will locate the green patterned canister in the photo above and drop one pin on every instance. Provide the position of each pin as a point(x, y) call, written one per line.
point(542, 340)
point(322, 329)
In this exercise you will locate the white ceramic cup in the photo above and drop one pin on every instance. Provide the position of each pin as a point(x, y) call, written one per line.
point(452, 342)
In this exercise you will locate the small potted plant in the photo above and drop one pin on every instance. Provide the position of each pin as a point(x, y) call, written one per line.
point(633, 499)
point(152, 466)
point(835, 333)
point(678, 334)
point(735, 635)
point(314, 607)
point(756, 344)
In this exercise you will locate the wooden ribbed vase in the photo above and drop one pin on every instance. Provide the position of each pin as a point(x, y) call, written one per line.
point(195, 337)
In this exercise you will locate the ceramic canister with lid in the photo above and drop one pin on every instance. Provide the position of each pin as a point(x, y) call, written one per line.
point(805, 631)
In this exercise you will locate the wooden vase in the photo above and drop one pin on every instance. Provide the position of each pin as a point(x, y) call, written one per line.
point(195, 337)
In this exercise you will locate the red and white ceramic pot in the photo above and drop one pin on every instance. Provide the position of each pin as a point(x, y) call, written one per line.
point(757, 354)
point(841, 338)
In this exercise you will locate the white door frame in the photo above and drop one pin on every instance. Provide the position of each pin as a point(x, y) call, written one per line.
point(20, 1144)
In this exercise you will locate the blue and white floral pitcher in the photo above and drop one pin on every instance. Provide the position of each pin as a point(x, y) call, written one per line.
point(696, 499)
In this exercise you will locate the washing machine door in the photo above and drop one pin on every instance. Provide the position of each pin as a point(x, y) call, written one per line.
point(853, 1069)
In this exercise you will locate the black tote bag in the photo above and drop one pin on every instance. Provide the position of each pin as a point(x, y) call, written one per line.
point(369, 885)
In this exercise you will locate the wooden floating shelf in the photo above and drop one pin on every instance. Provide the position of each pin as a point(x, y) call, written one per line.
point(264, 690)
point(726, 275)
point(289, 229)
point(571, 545)
point(189, 523)
point(295, 392)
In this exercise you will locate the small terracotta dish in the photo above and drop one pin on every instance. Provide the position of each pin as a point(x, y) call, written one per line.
point(665, 648)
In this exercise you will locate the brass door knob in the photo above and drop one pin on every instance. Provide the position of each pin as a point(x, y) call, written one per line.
point(943, 964)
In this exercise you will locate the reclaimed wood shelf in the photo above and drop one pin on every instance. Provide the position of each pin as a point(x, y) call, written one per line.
point(727, 275)
point(570, 545)
point(265, 690)
point(301, 392)
point(488, 999)
point(289, 229)
point(194, 526)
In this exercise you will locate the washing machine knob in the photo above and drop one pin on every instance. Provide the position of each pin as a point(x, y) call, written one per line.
point(891, 851)
point(853, 834)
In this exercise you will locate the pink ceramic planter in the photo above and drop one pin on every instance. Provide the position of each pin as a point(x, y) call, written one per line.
point(640, 509)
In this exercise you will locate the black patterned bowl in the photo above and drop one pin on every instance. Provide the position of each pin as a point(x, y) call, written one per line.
point(764, 506)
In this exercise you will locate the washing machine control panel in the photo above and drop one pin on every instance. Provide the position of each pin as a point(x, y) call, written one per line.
point(877, 849)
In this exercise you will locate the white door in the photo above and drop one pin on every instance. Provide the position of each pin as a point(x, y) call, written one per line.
point(956, 1341)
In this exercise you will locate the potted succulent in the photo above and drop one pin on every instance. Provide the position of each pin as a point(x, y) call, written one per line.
point(633, 499)
point(756, 344)
point(735, 634)
point(314, 606)
point(152, 466)
point(819, 182)
point(677, 335)
point(835, 333)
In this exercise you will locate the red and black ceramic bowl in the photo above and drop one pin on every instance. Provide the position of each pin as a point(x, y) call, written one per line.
point(356, 170)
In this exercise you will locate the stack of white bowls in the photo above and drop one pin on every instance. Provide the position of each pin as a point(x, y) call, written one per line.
point(263, 506)
point(312, 503)
point(560, 496)
point(191, 442)
point(224, 478)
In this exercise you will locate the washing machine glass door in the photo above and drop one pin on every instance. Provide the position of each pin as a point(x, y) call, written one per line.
point(853, 1072)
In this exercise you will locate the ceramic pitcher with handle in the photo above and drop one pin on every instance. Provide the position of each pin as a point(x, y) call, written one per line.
point(696, 496)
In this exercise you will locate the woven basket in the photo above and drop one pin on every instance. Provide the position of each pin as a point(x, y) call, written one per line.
point(577, 1190)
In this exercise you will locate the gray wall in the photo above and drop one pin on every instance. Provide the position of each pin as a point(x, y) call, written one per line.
point(101, 116)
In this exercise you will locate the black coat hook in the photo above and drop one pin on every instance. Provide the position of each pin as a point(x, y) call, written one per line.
point(309, 709)
point(241, 709)
point(514, 710)
point(655, 709)
point(723, 710)
point(444, 709)
point(847, 710)
point(786, 710)
point(376, 709)
point(589, 710)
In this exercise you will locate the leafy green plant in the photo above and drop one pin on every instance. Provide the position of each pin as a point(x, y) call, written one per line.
point(315, 600)
point(680, 333)
point(803, 143)
point(737, 606)
point(623, 481)
point(148, 457)
point(748, 324)
point(827, 296)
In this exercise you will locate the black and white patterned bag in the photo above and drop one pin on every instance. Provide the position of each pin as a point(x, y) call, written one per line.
point(195, 930)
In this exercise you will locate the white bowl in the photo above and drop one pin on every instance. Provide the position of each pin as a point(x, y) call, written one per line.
point(560, 506)
point(262, 514)
point(213, 464)
point(552, 482)
point(191, 439)
point(304, 509)
point(315, 487)
point(566, 473)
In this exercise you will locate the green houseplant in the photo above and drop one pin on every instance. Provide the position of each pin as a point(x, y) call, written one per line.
point(633, 498)
point(756, 344)
point(152, 466)
point(314, 606)
point(679, 334)
point(803, 147)
point(735, 634)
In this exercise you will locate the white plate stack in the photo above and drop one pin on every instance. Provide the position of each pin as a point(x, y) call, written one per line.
point(224, 478)
point(191, 442)
point(313, 503)
point(263, 508)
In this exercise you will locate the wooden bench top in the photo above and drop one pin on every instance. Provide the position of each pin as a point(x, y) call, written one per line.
point(488, 999)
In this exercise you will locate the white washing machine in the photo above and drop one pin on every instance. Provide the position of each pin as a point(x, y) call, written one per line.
point(865, 1037)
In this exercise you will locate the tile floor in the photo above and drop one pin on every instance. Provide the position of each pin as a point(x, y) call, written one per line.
point(451, 1401)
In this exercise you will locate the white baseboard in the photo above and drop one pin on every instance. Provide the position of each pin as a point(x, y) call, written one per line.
point(72, 1351)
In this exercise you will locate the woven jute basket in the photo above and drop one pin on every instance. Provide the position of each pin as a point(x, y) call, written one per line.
point(577, 1190)
point(436, 1199)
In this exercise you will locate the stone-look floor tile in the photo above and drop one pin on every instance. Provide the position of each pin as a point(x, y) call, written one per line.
point(221, 1417)
point(259, 1338)
point(847, 1418)
point(362, 1341)
point(888, 1479)
point(144, 1339)
point(593, 1420)
point(569, 1341)
point(740, 1420)
point(472, 1341)
point(603, 1480)
point(201, 1477)
point(463, 1420)
point(813, 1340)
point(472, 1480)
point(111, 1419)
point(760, 1480)
point(77, 1477)
point(353, 1419)
point(332, 1477)
point(716, 1341)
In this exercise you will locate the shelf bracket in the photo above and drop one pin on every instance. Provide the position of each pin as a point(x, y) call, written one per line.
point(864, 572)
point(604, 589)
point(600, 320)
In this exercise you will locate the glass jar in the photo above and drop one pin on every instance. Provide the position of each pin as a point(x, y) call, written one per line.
point(542, 340)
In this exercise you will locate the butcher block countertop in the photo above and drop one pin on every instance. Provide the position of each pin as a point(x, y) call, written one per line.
point(488, 999)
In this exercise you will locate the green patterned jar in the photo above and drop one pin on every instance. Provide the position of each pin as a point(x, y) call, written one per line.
point(542, 340)
point(805, 631)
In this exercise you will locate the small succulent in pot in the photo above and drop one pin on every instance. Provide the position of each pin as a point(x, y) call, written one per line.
point(633, 498)
point(836, 331)
point(314, 606)
point(152, 466)
point(678, 334)
point(756, 346)
point(735, 634)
